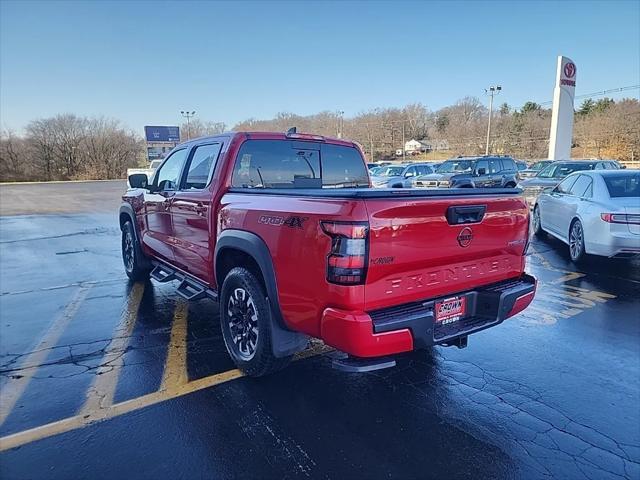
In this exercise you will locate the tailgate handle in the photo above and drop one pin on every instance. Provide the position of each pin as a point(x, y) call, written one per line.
point(466, 214)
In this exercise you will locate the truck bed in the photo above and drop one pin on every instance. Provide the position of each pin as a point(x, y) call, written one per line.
point(364, 193)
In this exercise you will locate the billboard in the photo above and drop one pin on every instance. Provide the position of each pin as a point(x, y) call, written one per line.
point(162, 134)
point(157, 153)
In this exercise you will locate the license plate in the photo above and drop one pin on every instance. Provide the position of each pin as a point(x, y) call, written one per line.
point(451, 309)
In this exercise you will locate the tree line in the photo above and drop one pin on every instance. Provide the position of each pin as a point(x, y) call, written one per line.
point(69, 147)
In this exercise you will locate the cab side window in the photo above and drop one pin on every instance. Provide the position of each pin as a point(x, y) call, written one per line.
point(495, 166)
point(201, 166)
point(410, 172)
point(482, 167)
point(167, 176)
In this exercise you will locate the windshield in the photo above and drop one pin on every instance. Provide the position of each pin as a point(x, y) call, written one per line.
point(561, 170)
point(377, 170)
point(539, 166)
point(391, 172)
point(625, 185)
point(455, 166)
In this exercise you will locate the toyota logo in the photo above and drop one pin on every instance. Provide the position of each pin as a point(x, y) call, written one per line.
point(569, 70)
point(465, 236)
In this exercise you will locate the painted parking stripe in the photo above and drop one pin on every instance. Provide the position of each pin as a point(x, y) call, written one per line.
point(15, 387)
point(175, 370)
point(102, 391)
point(79, 421)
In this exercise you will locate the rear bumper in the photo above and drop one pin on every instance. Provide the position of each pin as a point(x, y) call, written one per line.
point(412, 326)
point(620, 244)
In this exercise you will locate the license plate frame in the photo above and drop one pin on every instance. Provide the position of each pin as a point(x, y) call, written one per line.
point(450, 310)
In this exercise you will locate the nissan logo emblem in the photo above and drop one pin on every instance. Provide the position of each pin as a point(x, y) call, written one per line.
point(465, 236)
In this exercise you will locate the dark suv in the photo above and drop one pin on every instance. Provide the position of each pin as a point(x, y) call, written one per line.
point(478, 172)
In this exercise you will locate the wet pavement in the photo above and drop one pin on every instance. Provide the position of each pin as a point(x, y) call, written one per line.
point(101, 378)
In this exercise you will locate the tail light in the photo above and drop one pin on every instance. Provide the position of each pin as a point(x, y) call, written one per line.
point(347, 260)
point(620, 218)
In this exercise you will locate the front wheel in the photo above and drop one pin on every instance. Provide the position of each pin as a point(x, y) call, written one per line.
point(136, 265)
point(576, 242)
point(245, 320)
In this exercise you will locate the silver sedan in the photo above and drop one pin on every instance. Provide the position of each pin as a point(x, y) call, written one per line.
point(594, 212)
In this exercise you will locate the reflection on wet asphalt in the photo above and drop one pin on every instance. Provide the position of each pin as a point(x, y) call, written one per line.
point(554, 392)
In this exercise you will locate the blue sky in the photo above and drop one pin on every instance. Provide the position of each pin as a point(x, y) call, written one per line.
point(143, 62)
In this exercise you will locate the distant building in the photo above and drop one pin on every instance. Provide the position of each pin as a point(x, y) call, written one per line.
point(417, 146)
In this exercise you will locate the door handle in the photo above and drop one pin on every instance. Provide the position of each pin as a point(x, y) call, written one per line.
point(200, 209)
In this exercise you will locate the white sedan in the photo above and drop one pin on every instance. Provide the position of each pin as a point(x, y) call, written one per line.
point(594, 212)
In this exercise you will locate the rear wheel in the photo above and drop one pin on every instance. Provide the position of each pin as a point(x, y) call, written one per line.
point(245, 320)
point(537, 223)
point(576, 241)
point(136, 265)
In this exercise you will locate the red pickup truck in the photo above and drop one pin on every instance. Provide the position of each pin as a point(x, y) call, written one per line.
point(285, 231)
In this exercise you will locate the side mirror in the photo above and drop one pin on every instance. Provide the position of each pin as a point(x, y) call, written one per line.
point(138, 180)
point(482, 171)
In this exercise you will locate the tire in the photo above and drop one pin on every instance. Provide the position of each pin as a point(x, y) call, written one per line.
point(136, 265)
point(245, 321)
point(510, 185)
point(537, 223)
point(576, 242)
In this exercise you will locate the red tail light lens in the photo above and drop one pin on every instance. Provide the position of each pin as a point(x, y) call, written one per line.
point(347, 260)
point(620, 218)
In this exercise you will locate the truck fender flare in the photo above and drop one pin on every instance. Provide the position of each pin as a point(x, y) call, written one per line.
point(284, 342)
point(127, 209)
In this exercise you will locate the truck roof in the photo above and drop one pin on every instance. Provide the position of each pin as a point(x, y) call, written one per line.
point(273, 136)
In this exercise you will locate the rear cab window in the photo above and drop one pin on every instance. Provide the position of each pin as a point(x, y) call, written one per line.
point(297, 164)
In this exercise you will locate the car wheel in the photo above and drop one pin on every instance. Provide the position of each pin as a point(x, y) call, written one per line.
point(510, 185)
point(537, 223)
point(576, 241)
point(245, 320)
point(136, 264)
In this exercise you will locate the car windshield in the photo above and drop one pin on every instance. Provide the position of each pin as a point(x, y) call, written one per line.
point(391, 172)
point(623, 185)
point(539, 166)
point(561, 170)
point(455, 166)
point(377, 170)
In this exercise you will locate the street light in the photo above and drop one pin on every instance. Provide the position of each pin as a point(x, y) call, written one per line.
point(188, 115)
point(491, 91)
point(340, 123)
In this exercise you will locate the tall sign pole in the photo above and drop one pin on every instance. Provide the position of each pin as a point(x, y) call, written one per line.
point(561, 133)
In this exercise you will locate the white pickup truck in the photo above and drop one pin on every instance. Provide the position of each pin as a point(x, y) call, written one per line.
point(153, 166)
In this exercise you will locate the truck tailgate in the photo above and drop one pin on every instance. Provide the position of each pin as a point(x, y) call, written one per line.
point(424, 248)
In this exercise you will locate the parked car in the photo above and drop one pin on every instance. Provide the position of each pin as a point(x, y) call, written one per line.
point(285, 232)
point(594, 212)
point(554, 173)
point(153, 166)
point(479, 172)
point(521, 166)
point(400, 176)
point(536, 168)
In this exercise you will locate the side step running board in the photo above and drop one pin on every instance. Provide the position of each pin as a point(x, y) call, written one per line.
point(162, 274)
point(359, 365)
point(189, 288)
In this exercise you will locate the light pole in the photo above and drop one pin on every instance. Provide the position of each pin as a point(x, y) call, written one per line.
point(491, 91)
point(188, 115)
point(340, 123)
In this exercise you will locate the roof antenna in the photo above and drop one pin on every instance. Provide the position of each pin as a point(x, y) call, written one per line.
point(291, 131)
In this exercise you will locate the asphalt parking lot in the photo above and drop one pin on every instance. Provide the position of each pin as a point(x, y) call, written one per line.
point(101, 378)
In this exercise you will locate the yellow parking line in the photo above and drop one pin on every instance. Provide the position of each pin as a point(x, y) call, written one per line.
point(15, 387)
point(78, 421)
point(175, 370)
point(101, 392)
